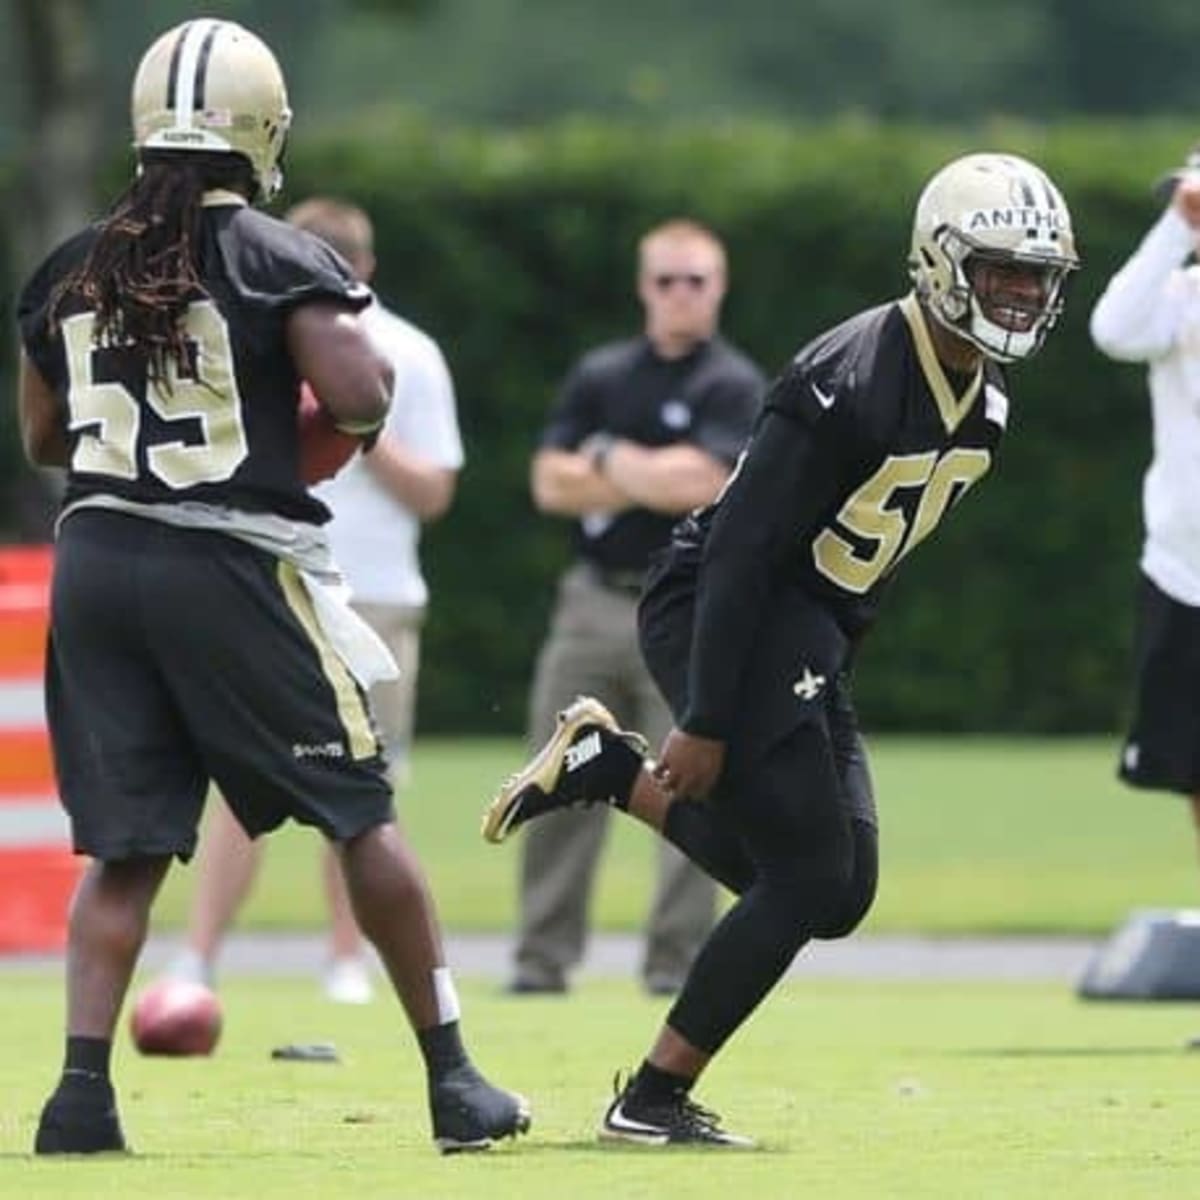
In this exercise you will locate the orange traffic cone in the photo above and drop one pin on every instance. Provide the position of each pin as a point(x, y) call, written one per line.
point(38, 872)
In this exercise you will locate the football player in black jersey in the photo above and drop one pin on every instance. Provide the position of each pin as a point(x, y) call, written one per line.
point(750, 618)
point(198, 628)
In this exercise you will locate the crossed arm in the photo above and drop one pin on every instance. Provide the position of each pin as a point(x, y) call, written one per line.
point(619, 474)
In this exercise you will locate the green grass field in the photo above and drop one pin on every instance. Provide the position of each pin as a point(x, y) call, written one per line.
point(866, 1089)
point(856, 1090)
point(977, 835)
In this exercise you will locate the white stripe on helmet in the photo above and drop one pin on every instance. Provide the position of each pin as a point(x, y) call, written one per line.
point(185, 82)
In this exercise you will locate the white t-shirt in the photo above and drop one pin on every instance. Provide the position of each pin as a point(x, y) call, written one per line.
point(1150, 312)
point(374, 536)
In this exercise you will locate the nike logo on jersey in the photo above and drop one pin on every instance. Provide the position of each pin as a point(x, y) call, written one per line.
point(582, 751)
point(824, 399)
point(808, 685)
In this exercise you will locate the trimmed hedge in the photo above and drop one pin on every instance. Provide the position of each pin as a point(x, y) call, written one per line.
point(516, 251)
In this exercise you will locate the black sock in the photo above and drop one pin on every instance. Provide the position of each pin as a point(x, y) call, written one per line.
point(653, 1084)
point(443, 1049)
point(87, 1060)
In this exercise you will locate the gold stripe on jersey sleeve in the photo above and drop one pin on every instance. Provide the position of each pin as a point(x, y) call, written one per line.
point(352, 710)
point(952, 408)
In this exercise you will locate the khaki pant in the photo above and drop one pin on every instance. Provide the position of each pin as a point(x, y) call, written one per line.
point(394, 701)
point(592, 649)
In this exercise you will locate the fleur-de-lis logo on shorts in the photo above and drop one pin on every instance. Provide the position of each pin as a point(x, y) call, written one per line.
point(808, 685)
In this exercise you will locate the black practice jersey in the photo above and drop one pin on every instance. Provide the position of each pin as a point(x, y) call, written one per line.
point(708, 398)
point(225, 431)
point(863, 446)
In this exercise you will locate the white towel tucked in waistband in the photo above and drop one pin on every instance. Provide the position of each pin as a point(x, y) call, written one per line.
point(306, 547)
point(363, 651)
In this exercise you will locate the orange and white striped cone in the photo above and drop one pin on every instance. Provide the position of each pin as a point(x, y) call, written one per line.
point(38, 871)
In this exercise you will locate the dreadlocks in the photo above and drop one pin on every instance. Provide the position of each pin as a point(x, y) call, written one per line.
point(141, 272)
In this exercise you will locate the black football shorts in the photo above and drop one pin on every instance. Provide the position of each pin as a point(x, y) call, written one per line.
point(179, 657)
point(795, 678)
point(1162, 749)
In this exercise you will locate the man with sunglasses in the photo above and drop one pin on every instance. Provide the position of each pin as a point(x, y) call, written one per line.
point(643, 431)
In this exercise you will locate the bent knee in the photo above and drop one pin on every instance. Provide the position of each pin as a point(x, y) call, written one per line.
point(849, 913)
point(857, 893)
point(810, 897)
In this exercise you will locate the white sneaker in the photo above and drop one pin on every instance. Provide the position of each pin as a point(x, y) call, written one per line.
point(347, 981)
point(190, 966)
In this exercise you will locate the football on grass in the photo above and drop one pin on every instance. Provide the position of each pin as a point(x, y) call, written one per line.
point(324, 449)
point(177, 1018)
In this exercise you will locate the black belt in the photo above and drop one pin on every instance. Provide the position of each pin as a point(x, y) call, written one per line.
point(626, 581)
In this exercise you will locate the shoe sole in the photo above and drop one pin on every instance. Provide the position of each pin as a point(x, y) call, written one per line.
point(662, 1141)
point(543, 770)
point(521, 1124)
point(79, 1141)
point(637, 1133)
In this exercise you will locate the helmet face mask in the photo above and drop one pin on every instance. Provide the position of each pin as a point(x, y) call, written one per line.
point(212, 86)
point(981, 220)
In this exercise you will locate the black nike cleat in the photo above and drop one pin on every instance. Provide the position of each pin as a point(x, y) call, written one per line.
point(469, 1113)
point(675, 1121)
point(574, 767)
point(80, 1119)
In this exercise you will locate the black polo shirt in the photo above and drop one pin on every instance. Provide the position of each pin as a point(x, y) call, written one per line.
point(708, 398)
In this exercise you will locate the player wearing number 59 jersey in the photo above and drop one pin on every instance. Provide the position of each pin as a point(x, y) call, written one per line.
point(218, 425)
point(749, 618)
point(198, 633)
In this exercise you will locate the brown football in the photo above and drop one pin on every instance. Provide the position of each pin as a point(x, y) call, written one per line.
point(324, 449)
point(176, 1018)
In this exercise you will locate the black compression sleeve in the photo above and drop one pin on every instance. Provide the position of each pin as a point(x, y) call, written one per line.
point(786, 481)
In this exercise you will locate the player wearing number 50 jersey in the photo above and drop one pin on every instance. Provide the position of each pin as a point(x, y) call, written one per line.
point(865, 442)
point(198, 630)
point(750, 617)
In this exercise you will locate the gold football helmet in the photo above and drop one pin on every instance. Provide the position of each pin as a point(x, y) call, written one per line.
point(213, 86)
point(995, 207)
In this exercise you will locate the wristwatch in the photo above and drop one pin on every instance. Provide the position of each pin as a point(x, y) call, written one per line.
point(597, 448)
